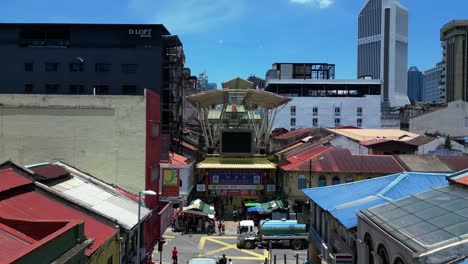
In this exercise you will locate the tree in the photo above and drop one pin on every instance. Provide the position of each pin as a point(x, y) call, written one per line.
point(448, 142)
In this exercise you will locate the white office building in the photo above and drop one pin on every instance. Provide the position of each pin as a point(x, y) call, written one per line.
point(432, 79)
point(383, 48)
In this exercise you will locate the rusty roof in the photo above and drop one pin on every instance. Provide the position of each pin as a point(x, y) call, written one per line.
point(298, 132)
point(456, 163)
point(421, 140)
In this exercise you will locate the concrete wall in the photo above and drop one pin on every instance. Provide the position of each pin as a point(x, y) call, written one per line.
point(326, 111)
point(102, 135)
point(353, 146)
point(452, 120)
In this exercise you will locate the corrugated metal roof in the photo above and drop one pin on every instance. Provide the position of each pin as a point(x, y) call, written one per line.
point(341, 160)
point(93, 194)
point(423, 163)
point(295, 133)
point(456, 163)
point(343, 200)
point(10, 179)
point(460, 177)
point(368, 134)
point(421, 140)
point(11, 243)
point(34, 205)
point(236, 163)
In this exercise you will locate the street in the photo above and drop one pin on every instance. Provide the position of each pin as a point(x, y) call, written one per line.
point(203, 246)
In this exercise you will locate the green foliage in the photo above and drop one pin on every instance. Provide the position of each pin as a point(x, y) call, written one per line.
point(448, 142)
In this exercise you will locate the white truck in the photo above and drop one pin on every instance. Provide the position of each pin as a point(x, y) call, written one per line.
point(287, 233)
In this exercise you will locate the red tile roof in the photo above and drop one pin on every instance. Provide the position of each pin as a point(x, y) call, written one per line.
point(37, 206)
point(295, 133)
point(455, 163)
point(303, 156)
point(10, 179)
point(341, 160)
point(49, 171)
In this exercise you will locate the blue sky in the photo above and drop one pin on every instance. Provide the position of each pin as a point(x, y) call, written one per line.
point(230, 38)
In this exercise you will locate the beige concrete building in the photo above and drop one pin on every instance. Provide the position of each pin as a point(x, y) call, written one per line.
point(103, 135)
point(454, 36)
point(451, 120)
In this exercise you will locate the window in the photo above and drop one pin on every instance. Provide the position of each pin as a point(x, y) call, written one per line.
point(102, 67)
point(335, 180)
point(301, 182)
point(76, 89)
point(51, 67)
point(76, 67)
point(359, 111)
point(322, 181)
point(129, 68)
point(315, 122)
point(102, 89)
point(337, 122)
point(110, 260)
point(154, 173)
point(293, 121)
point(28, 88)
point(155, 129)
point(315, 111)
point(51, 88)
point(337, 111)
point(293, 110)
point(359, 122)
point(28, 66)
point(349, 179)
point(129, 89)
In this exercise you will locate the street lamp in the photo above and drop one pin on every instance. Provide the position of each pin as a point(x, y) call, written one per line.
point(147, 192)
point(310, 170)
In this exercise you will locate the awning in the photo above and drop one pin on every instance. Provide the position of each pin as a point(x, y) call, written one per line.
point(198, 207)
point(236, 163)
point(250, 204)
point(267, 207)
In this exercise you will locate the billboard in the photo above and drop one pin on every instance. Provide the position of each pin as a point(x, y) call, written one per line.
point(236, 177)
point(237, 142)
point(170, 182)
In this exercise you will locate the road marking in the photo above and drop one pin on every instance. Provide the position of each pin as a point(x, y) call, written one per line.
point(227, 246)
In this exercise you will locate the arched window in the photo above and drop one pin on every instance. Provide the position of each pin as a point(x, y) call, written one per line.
point(383, 255)
point(349, 179)
point(322, 181)
point(369, 258)
point(398, 260)
point(301, 182)
point(336, 180)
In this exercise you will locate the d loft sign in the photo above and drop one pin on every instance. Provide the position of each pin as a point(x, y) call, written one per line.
point(142, 33)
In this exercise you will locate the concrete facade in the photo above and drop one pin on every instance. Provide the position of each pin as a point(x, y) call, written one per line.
point(451, 120)
point(431, 90)
point(383, 47)
point(348, 116)
point(103, 135)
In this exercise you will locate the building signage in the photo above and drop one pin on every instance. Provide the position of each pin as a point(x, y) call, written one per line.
point(200, 187)
point(235, 187)
point(271, 187)
point(142, 33)
point(170, 182)
point(237, 193)
point(236, 177)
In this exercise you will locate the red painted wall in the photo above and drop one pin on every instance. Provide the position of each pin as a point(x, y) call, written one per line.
point(152, 157)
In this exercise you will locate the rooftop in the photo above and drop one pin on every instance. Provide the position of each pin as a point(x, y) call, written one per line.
point(343, 200)
point(426, 220)
point(369, 134)
point(236, 163)
point(295, 133)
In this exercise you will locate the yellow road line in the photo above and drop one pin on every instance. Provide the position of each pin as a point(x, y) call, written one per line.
point(234, 246)
point(201, 244)
point(214, 251)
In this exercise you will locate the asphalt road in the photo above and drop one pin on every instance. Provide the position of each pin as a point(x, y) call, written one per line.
point(203, 246)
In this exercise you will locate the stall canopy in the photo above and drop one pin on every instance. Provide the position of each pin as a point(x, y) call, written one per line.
point(267, 207)
point(198, 207)
point(250, 204)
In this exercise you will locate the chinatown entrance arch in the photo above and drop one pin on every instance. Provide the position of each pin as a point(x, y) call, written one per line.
point(236, 125)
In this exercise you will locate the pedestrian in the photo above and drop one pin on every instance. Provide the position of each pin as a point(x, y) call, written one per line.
point(234, 214)
point(266, 261)
point(230, 261)
point(223, 260)
point(223, 227)
point(219, 228)
point(174, 255)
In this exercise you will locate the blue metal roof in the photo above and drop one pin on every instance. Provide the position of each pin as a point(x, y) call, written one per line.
point(343, 200)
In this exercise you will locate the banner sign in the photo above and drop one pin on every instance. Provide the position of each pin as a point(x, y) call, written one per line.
point(236, 187)
point(200, 187)
point(236, 177)
point(271, 187)
point(237, 193)
point(170, 182)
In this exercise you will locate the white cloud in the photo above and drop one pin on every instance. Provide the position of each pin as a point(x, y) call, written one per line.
point(189, 16)
point(314, 3)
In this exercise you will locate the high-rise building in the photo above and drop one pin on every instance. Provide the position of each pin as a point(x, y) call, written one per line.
point(431, 84)
point(203, 81)
point(212, 86)
point(454, 35)
point(383, 47)
point(414, 84)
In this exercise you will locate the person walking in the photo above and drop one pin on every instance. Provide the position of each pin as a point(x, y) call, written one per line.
point(234, 215)
point(223, 260)
point(230, 261)
point(174, 255)
point(223, 227)
point(219, 228)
